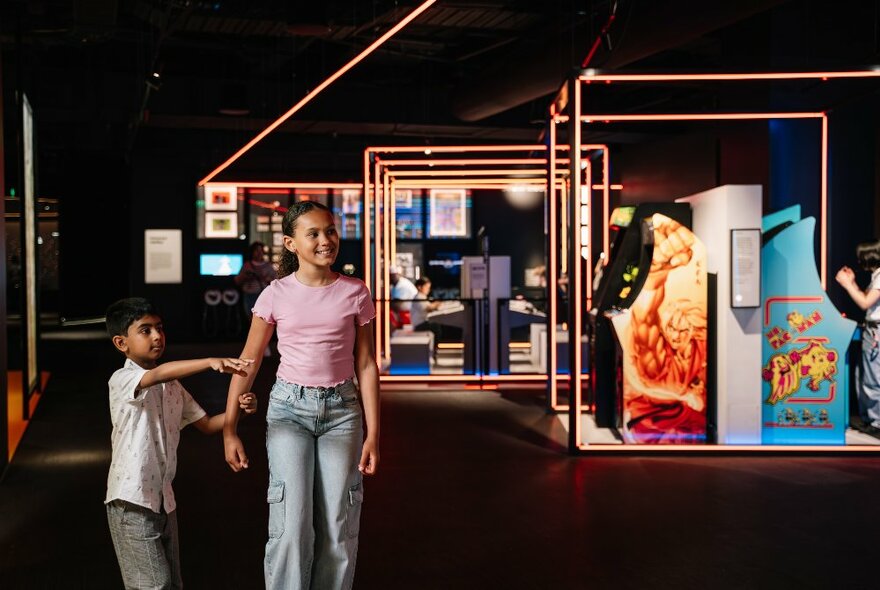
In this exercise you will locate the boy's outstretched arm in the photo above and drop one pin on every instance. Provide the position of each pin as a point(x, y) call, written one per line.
point(257, 340)
point(214, 424)
point(180, 369)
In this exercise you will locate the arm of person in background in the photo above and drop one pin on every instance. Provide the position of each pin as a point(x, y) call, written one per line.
point(214, 424)
point(243, 276)
point(864, 299)
point(368, 380)
point(257, 340)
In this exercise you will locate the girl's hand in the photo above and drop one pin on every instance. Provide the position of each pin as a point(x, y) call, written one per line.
point(845, 276)
point(247, 402)
point(231, 365)
point(369, 458)
point(234, 451)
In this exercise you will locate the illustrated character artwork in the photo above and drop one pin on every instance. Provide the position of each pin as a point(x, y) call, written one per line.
point(665, 391)
point(785, 371)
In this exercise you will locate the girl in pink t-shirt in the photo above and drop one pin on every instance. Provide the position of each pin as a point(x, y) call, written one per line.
point(315, 419)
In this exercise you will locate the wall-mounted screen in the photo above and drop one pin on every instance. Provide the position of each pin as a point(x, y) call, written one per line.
point(220, 265)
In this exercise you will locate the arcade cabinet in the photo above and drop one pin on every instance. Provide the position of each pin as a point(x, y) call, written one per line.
point(661, 331)
point(805, 341)
point(620, 278)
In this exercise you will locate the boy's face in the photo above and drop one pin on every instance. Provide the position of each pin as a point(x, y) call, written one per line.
point(144, 342)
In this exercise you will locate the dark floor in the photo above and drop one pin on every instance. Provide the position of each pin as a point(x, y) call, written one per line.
point(473, 492)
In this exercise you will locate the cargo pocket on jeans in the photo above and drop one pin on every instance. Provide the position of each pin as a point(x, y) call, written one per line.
point(275, 497)
point(353, 513)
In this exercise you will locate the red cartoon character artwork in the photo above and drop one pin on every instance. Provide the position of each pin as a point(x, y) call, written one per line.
point(814, 363)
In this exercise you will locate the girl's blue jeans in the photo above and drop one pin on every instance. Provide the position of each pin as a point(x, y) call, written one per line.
point(314, 439)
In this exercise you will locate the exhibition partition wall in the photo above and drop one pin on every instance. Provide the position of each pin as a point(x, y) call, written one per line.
point(567, 109)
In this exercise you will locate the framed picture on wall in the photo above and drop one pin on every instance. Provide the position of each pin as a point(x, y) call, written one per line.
point(221, 225)
point(448, 213)
point(403, 198)
point(221, 197)
point(351, 201)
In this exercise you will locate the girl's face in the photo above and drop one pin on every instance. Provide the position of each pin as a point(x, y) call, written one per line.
point(315, 241)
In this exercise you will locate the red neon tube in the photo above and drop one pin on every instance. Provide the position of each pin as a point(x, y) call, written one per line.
point(552, 273)
point(366, 221)
point(590, 77)
point(308, 97)
point(466, 162)
point(574, 339)
point(823, 197)
point(602, 118)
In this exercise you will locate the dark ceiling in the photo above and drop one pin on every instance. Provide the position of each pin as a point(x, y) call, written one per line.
point(463, 71)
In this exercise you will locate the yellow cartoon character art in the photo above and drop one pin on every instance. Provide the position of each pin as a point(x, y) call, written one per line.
point(795, 319)
point(784, 372)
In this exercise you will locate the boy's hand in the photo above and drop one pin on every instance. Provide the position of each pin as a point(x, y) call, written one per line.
point(247, 402)
point(231, 365)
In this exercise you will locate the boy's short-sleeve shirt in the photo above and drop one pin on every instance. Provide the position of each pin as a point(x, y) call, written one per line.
point(316, 327)
point(146, 432)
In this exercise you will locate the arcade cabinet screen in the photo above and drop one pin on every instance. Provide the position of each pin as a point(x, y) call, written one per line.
point(220, 265)
point(621, 217)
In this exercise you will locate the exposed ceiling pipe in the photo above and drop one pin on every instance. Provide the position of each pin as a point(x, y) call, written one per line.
point(535, 69)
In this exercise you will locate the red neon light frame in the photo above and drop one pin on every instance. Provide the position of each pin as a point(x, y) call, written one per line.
point(593, 76)
point(308, 97)
point(384, 168)
point(588, 77)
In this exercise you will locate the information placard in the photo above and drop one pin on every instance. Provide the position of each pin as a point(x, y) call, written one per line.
point(745, 268)
point(163, 256)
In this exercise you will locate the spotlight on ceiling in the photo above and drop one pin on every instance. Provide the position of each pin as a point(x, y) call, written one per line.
point(154, 81)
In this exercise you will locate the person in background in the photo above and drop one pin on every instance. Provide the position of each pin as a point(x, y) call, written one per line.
point(148, 408)
point(255, 275)
point(420, 309)
point(403, 291)
point(868, 255)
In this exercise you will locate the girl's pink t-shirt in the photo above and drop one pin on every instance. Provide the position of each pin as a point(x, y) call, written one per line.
point(316, 327)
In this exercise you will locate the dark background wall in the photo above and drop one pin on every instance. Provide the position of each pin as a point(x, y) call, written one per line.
point(168, 165)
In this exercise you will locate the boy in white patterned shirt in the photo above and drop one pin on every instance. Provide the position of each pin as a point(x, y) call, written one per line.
point(149, 407)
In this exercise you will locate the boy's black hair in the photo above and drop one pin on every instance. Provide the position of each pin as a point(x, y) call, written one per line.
point(868, 254)
point(122, 314)
point(422, 281)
